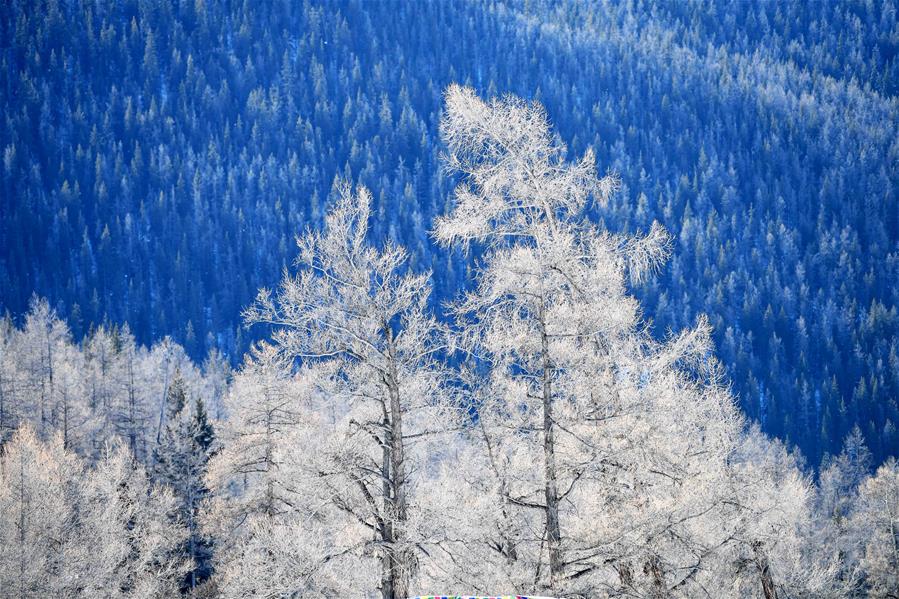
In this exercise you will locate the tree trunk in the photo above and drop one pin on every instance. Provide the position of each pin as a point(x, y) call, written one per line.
point(386, 525)
point(895, 538)
point(165, 392)
point(400, 562)
point(658, 588)
point(22, 506)
point(2, 411)
point(550, 489)
point(761, 562)
point(269, 504)
point(65, 419)
point(132, 411)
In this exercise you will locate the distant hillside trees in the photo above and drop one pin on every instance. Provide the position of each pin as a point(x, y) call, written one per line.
point(540, 440)
point(157, 159)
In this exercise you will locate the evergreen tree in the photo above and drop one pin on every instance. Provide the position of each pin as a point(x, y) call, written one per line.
point(180, 462)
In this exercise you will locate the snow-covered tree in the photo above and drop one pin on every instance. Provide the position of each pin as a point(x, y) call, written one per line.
point(132, 533)
point(775, 547)
point(273, 529)
point(93, 392)
point(217, 373)
point(875, 522)
point(131, 413)
point(634, 439)
point(550, 316)
point(39, 552)
point(10, 400)
point(264, 407)
point(43, 342)
point(67, 531)
point(358, 317)
point(103, 378)
point(839, 482)
point(180, 462)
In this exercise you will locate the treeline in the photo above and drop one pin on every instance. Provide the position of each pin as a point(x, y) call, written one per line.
point(103, 452)
point(158, 159)
point(542, 441)
point(106, 386)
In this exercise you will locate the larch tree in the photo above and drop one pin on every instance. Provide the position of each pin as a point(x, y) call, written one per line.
point(633, 437)
point(10, 400)
point(93, 392)
point(70, 414)
point(132, 531)
point(38, 511)
point(102, 377)
point(264, 408)
point(217, 372)
point(131, 413)
point(167, 358)
point(43, 379)
point(72, 531)
point(358, 316)
point(875, 522)
point(250, 479)
point(839, 482)
point(277, 534)
point(549, 310)
point(774, 546)
point(42, 341)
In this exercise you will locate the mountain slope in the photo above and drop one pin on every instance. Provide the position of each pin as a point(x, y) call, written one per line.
point(158, 160)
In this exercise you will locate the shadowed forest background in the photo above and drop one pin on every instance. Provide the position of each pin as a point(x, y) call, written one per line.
point(159, 158)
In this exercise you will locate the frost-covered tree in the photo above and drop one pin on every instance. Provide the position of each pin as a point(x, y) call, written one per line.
point(529, 315)
point(839, 482)
point(38, 509)
point(43, 343)
point(180, 462)
point(132, 411)
point(274, 530)
point(770, 518)
point(132, 532)
point(875, 522)
point(842, 476)
point(10, 400)
point(550, 315)
point(217, 372)
point(42, 379)
point(103, 377)
point(357, 317)
point(264, 407)
point(67, 531)
point(246, 476)
point(608, 455)
point(94, 391)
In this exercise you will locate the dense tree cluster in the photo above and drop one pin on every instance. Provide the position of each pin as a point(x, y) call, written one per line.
point(158, 159)
point(541, 440)
point(112, 498)
point(74, 531)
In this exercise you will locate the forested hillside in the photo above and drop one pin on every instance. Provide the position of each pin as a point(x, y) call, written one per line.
point(537, 438)
point(159, 158)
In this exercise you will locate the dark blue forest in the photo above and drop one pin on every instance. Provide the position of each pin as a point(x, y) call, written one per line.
point(160, 157)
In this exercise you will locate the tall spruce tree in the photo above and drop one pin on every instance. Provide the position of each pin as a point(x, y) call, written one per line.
point(180, 462)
